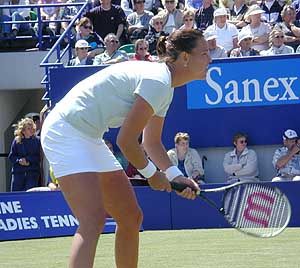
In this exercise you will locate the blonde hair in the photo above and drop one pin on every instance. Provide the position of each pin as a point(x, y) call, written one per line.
point(20, 127)
point(181, 136)
point(140, 42)
point(188, 13)
point(156, 18)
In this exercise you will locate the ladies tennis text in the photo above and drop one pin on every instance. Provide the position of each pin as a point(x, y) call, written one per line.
point(14, 208)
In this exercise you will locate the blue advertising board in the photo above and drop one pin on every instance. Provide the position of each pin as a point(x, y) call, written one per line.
point(241, 84)
point(46, 214)
point(258, 96)
point(38, 214)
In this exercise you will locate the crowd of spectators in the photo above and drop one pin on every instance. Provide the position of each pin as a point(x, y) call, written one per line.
point(262, 22)
point(29, 171)
point(236, 28)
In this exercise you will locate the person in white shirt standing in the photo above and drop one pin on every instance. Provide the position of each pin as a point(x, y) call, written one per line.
point(227, 33)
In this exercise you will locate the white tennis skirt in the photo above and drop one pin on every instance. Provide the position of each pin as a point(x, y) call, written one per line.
point(69, 151)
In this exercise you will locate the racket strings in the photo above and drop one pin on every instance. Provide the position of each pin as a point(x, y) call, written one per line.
point(257, 209)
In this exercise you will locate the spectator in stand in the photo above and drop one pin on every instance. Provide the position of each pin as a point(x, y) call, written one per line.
point(171, 16)
point(226, 32)
point(25, 156)
point(286, 160)
point(290, 27)
point(150, 5)
point(215, 51)
point(241, 163)
point(186, 159)
point(193, 4)
point(5, 29)
point(21, 14)
point(68, 12)
point(277, 46)
point(81, 52)
point(204, 16)
point(296, 5)
point(84, 30)
point(259, 30)
point(108, 18)
point(244, 49)
point(138, 21)
point(272, 10)
point(112, 54)
point(118, 155)
point(141, 50)
point(37, 121)
point(188, 20)
point(155, 31)
point(237, 13)
point(49, 13)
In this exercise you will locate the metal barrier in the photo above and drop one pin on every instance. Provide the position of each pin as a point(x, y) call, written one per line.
point(39, 21)
point(57, 46)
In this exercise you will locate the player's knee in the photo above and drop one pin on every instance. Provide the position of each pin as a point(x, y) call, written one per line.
point(92, 224)
point(133, 220)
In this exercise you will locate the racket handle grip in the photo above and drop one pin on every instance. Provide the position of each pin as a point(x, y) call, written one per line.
point(180, 187)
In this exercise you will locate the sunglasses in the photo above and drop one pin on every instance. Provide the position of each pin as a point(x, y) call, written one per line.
point(247, 39)
point(170, 2)
point(143, 48)
point(139, 2)
point(158, 23)
point(279, 36)
point(188, 19)
point(243, 141)
point(114, 41)
point(87, 27)
point(83, 48)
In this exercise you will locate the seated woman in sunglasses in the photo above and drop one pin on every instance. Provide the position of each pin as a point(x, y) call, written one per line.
point(188, 20)
point(277, 46)
point(241, 163)
point(155, 31)
point(84, 30)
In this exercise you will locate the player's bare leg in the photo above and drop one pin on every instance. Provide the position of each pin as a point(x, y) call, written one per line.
point(83, 194)
point(120, 202)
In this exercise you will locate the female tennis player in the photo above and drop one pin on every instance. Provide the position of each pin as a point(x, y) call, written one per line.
point(134, 96)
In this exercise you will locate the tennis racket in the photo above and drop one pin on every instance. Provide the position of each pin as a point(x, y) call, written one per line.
point(253, 208)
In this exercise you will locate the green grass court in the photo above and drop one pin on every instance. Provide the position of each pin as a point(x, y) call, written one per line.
point(214, 248)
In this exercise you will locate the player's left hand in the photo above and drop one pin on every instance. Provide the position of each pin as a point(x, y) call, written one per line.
point(189, 192)
point(159, 182)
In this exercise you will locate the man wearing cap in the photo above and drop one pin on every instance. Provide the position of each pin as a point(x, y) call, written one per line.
point(244, 49)
point(81, 52)
point(226, 32)
point(286, 159)
point(215, 51)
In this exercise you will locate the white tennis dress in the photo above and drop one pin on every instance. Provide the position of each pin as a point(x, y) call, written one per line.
point(72, 133)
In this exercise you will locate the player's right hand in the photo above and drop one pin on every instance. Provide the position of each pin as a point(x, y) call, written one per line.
point(189, 192)
point(159, 182)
